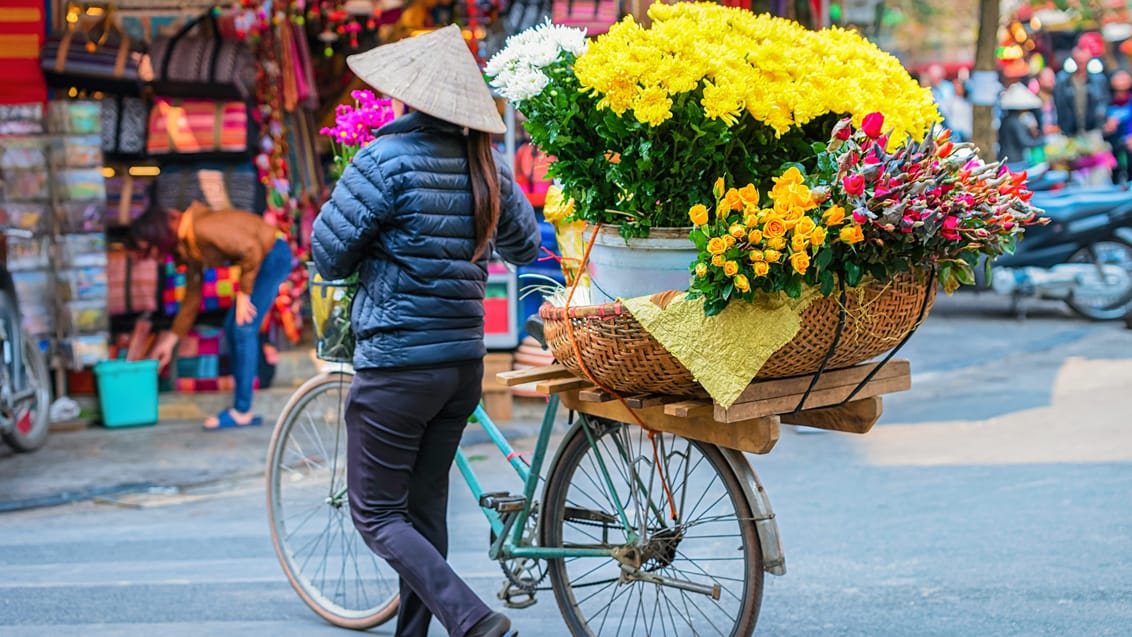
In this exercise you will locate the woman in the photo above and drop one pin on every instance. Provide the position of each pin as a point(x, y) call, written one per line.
point(1019, 132)
point(416, 216)
point(200, 238)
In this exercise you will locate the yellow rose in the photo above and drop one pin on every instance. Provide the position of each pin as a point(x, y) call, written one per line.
point(851, 234)
point(730, 268)
point(799, 242)
point(734, 200)
point(750, 195)
point(716, 246)
point(800, 261)
point(738, 230)
point(761, 268)
point(774, 228)
point(753, 220)
point(755, 236)
point(698, 214)
point(717, 190)
point(835, 216)
point(792, 176)
point(757, 256)
point(777, 243)
point(772, 256)
point(805, 226)
point(729, 240)
point(818, 236)
point(701, 269)
point(741, 283)
point(718, 260)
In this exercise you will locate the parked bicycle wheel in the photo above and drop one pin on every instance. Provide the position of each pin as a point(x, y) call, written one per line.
point(31, 418)
point(324, 557)
point(698, 574)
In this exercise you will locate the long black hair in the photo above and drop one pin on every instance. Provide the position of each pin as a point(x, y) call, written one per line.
point(485, 189)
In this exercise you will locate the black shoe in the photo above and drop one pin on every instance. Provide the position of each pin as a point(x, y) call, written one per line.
point(494, 625)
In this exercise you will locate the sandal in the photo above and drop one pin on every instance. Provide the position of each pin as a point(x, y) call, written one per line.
point(226, 421)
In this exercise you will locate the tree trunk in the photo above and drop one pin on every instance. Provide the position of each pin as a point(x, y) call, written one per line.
point(982, 125)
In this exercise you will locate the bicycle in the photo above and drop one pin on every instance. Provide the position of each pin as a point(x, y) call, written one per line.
point(684, 548)
point(25, 385)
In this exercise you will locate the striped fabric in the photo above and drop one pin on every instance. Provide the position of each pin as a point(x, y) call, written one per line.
point(188, 126)
point(596, 16)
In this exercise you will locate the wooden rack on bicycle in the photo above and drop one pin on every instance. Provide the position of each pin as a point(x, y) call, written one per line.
point(752, 423)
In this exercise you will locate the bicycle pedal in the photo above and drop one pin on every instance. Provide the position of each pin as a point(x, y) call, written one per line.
point(503, 502)
point(516, 598)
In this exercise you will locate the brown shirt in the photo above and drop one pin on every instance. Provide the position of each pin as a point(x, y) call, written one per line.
point(214, 238)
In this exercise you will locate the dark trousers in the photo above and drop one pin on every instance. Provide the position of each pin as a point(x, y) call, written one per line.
point(243, 340)
point(403, 429)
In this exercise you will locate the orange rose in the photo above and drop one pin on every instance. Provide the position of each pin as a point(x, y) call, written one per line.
point(778, 243)
point(731, 268)
point(755, 236)
point(761, 268)
point(774, 228)
point(701, 269)
point(717, 246)
point(718, 260)
point(750, 195)
point(805, 226)
point(729, 240)
point(772, 256)
point(734, 200)
point(741, 283)
point(799, 242)
point(757, 256)
point(818, 236)
point(738, 230)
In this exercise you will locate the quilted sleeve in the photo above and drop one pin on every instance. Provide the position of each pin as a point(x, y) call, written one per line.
point(517, 235)
point(351, 219)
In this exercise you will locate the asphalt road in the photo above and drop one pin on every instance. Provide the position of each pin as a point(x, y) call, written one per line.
point(993, 499)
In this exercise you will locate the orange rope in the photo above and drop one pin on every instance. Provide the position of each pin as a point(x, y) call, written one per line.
point(590, 377)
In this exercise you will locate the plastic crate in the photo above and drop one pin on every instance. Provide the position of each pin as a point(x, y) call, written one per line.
point(127, 392)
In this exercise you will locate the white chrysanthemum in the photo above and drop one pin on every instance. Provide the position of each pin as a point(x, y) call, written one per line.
point(521, 83)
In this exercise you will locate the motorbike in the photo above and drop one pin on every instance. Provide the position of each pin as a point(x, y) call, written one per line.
point(25, 386)
point(1082, 257)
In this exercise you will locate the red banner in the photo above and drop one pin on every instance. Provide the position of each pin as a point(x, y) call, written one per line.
point(22, 24)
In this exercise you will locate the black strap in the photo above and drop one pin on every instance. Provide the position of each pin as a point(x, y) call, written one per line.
point(177, 37)
point(119, 116)
point(129, 283)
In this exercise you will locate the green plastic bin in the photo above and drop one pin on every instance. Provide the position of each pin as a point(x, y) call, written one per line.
point(127, 392)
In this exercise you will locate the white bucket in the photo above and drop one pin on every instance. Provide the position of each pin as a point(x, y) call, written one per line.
point(658, 263)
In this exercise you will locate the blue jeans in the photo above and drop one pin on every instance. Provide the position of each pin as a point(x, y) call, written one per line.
point(243, 340)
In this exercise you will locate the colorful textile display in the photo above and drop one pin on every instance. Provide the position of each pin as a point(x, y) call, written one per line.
point(218, 289)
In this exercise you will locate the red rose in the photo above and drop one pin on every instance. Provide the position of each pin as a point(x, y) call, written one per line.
point(853, 184)
point(843, 130)
point(873, 125)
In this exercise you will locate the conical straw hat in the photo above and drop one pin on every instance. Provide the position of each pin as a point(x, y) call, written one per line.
point(434, 73)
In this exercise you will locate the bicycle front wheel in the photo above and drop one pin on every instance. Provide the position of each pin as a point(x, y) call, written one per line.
point(700, 573)
point(323, 555)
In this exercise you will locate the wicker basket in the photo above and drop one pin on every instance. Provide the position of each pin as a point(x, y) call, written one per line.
point(622, 356)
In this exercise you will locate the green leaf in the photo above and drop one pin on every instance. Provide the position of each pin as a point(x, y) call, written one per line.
point(827, 282)
point(728, 290)
point(988, 263)
point(793, 287)
point(852, 274)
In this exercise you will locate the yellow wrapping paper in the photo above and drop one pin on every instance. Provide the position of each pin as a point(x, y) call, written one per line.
point(726, 351)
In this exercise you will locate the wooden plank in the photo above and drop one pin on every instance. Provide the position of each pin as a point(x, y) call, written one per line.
point(758, 435)
point(768, 389)
point(857, 417)
point(559, 385)
point(595, 396)
point(533, 374)
point(689, 408)
point(817, 399)
point(642, 401)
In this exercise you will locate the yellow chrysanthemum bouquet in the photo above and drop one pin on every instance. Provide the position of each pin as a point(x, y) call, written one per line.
point(644, 119)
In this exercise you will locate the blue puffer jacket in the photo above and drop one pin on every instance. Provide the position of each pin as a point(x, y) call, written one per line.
point(401, 217)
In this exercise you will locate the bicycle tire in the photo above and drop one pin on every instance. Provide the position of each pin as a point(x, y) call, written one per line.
point(38, 415)
point(692, 616)
point(335, 606)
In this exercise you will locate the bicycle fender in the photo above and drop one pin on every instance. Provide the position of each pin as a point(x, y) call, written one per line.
point(774, 560)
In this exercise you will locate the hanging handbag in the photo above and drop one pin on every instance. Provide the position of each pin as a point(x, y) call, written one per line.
point(131, 283)
point(199, 128)
point(124, 123)
point(219, 185)
point(100, 59)
point(198, 62)
point(127, 198)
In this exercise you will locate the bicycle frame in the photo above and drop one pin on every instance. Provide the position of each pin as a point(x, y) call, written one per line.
point(509, 534)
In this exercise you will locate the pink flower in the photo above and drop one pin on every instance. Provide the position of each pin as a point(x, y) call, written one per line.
point(950, 223)
point(859, 218)
point(853, 184)
point(843, 130)
point(873, 124)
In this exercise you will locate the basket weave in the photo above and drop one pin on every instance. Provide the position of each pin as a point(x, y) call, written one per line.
point(622, 356)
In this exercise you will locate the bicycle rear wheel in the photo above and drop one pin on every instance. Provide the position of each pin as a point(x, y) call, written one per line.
point(323, 556)
point(30, 418)
point(700, 574)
